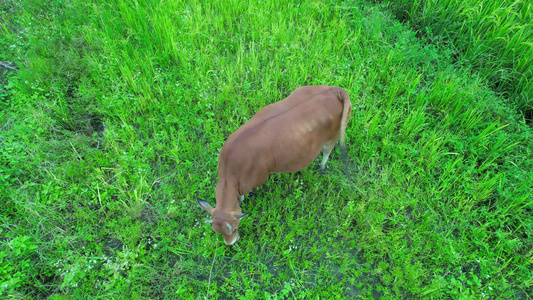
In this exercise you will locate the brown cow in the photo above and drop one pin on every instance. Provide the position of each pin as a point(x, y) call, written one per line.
point(282, 137)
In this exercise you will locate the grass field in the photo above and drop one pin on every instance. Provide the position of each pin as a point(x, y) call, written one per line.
point(495, 37)
point(112, 116)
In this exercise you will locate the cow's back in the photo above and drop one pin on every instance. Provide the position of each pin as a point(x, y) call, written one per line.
point(282, 137)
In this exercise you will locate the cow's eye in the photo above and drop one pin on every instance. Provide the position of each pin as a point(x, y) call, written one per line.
point(234, 230)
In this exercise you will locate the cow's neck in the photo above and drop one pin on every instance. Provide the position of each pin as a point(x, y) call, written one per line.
point(227, 195)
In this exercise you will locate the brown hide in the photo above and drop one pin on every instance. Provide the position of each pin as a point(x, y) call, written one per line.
point(282, 137)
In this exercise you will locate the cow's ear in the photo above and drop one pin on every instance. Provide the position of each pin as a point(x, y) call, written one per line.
point(203, 204)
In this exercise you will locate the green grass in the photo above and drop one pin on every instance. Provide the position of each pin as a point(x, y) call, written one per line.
point(495, 37)
point(111, 127)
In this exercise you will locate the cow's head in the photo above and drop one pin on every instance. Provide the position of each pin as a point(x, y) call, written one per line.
point(225, 222)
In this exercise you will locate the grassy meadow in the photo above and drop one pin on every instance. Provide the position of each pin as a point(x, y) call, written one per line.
point(112, 114)
point(495, 37)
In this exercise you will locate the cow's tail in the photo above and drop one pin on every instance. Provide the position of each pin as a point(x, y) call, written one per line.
point(346, 112)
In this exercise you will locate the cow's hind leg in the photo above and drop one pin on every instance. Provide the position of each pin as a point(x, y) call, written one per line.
point(326, 151)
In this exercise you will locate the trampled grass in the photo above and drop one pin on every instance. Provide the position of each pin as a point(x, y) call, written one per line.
point(111, 127)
